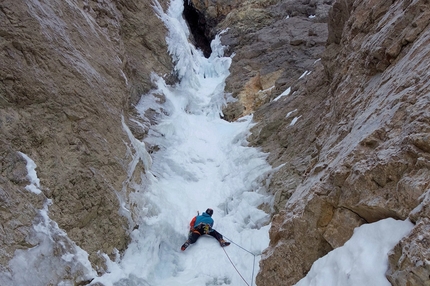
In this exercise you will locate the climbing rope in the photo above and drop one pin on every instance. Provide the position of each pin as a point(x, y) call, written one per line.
point(253, 263)
point(235, 267)
point(238, 245)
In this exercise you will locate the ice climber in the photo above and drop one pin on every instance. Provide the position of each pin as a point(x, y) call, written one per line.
point(202, 224)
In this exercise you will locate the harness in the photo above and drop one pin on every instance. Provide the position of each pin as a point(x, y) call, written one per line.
point(201, 228)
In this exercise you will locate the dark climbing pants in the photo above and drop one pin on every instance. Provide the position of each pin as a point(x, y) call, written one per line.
point(197, 232)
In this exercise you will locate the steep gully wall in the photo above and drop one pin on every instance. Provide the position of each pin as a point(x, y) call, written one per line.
point(70, 70)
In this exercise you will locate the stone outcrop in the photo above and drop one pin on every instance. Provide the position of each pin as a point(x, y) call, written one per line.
point(357, 152)
point(409, 259)
point(71, 70)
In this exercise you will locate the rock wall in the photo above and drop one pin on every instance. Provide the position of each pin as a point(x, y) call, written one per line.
point(70, 71)
point(358, 151)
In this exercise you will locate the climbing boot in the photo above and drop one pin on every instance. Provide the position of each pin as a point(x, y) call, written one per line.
point(185, 245)
point(223, 243)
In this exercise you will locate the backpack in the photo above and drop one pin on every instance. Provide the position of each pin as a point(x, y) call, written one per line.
point(192, 222)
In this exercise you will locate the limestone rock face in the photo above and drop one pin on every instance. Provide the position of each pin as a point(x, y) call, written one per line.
point(70, 71)
point(351, 141)
point(409, 259)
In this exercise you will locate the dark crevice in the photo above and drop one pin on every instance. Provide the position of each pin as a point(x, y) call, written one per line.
point(197, 23)
point(356, 213)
